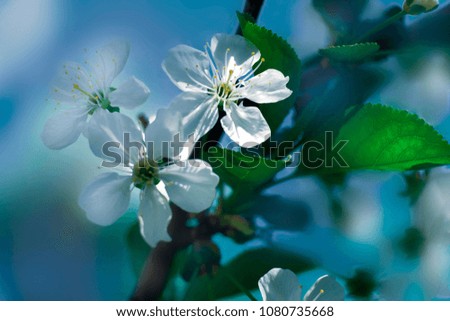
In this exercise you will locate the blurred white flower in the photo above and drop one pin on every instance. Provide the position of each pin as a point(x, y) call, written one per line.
point(415, 7)
point(189, 184)
point(88, 87)
point(431, 221)
point(361, 206)
point(305, 19)
point(432, 210)
point(220, 77)
point(282, 285)
point(432, 218)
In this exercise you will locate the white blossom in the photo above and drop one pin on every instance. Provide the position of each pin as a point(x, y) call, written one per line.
point(220, 77)
point(88, 89)
point(189, 184)
point(282, 285)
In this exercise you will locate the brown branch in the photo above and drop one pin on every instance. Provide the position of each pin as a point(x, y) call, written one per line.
point(154, 275)
point(253, 8)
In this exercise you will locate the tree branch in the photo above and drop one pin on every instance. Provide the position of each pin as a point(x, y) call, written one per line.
point(154, 275)
point(253, 8)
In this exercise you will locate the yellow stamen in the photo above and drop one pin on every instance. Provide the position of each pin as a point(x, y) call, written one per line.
point(319, 294)
point(230, 73)
point(77, 87)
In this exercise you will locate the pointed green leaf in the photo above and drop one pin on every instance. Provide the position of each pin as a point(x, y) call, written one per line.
point(350, 53)
point(277, 54)
point(236, 168)
point(383, 138)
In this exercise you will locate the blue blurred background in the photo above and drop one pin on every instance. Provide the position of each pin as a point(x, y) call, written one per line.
point(48, 249)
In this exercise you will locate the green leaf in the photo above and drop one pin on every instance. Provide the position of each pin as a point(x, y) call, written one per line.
point(277, 54)
point(236, 168)
point(383, 138)
point(246, 269)
point(245, 17)
point(350, 53)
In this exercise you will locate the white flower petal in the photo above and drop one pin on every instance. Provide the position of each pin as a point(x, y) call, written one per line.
point(109, 61)
point(199, 112)
point(243, 51)
point(279, 285)
point(154, 216)
point(266, 87)
point(162, 134)
point(106, 198)
point(191, 185)
point(64, 128)
point(245, 125)
point(114, 132)
point(130, 94)
point(326, 288)
point(73, 74)
point(188, 68)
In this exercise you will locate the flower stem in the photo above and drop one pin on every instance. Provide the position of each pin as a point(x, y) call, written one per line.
point(381, 26)
point(239, 285)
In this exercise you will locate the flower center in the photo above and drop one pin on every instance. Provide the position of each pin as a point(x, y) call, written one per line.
point(224, 90)
point(96, 99)
point(145, 172)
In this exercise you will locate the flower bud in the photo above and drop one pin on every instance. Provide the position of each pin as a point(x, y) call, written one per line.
point(415, 7)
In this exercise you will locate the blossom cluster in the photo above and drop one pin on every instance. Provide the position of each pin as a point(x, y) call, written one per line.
point(216, 79)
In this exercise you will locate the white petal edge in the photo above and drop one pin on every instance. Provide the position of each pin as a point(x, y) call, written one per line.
point(109, 61)
point(106, 198)
point(199, 112)
point(188, 68)
point(64, 128)
point(73, 74)
point(163, 134)
point(243, 51)
point(114, 133)
point(266, 87)
point(191, 185)
point(326, 288)
point(245, 125)
point(130, 94)
point(154, 216)
point(279, 285)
